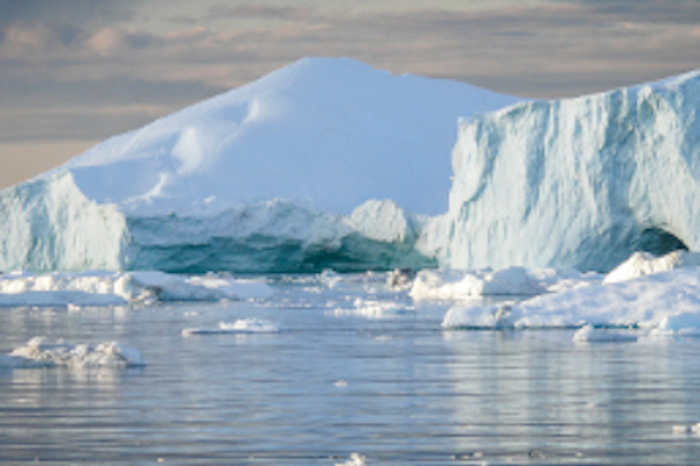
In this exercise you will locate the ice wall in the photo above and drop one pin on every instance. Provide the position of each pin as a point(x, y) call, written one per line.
point(576, 183)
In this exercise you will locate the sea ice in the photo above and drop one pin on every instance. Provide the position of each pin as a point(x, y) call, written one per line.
point(41, 352)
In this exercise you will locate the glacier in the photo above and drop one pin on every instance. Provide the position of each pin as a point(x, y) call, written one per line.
point(577, 183)
point(325, 163)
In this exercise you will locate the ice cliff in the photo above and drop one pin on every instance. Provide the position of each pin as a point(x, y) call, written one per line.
point(578, 183)
point(323, 163)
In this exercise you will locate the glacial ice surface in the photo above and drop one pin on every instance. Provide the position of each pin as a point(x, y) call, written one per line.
point(576, 183)
point(324, 163)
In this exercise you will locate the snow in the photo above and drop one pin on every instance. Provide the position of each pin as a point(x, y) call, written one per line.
point(324, 163)
point(576, 183)
point(641, 263)
point(99, 288)
point(40, 352)
point(448, 285)
point(241, 326)
point(664, 303)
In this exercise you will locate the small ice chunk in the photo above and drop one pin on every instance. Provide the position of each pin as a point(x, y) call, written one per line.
point(240, 326)
point(590, 334)
point(686, 429)
point(355, 460)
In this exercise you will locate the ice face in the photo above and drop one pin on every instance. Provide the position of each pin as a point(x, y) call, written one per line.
point(578, 183)
point(263, 178)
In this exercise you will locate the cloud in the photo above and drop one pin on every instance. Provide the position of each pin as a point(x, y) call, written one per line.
point(561, 48)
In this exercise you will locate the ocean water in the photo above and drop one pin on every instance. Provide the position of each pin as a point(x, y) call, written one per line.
point(344, 366)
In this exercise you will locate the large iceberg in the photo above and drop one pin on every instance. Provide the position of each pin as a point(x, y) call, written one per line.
point(324, 163)
point(579, 183)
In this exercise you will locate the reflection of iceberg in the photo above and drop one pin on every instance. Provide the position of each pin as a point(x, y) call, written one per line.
point(264, 178)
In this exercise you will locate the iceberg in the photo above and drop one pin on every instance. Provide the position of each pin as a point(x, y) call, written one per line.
point(578, 183)
point(325, 163)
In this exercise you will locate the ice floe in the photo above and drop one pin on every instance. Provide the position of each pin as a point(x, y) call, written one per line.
point(42, 352)
point(97, 288)
point(240, 326)
point(664, 302)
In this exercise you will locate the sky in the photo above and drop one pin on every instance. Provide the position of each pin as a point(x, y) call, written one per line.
point(74, 72)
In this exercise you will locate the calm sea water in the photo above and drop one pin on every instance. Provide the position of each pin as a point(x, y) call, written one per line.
point(378, 378)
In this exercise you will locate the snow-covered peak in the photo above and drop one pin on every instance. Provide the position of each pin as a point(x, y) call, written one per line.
point(329, 132)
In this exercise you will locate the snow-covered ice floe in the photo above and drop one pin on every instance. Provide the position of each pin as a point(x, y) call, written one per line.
point(512, 281)
point(99, 288)
point(665, 303)
point(240, 326)
point(41, 352)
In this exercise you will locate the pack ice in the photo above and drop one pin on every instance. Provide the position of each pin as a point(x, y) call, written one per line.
point(324, 163)
point(579, 183)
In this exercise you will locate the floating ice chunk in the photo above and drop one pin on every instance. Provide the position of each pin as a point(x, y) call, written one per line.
point(373, 309)
point(686, 429)
point(453, 285)
point(355, 460)
point(482, 317)
point(590, 334)
point(239, 326)
point(643, 263)
point(41, 352)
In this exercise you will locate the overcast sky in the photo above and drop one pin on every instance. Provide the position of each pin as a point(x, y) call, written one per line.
point(73, 72)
